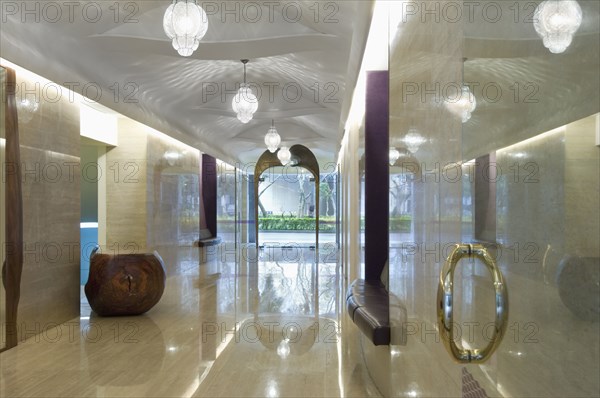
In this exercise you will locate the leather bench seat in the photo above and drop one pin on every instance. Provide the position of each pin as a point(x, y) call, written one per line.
point(368, 307)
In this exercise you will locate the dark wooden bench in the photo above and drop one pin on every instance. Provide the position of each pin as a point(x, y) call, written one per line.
point(207, 242)
point(207, 239)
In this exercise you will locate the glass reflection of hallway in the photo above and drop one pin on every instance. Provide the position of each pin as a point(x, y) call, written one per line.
point(240, 324)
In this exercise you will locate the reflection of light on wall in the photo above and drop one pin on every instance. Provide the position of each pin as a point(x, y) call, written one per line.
point(24, 73)
point(224, 166)
point(195, 384)
point(340, 362)
point(85, 225)
point(598, 129)
point(531, 140)
point(375, 58)
point(272, 389)
point(97, 125)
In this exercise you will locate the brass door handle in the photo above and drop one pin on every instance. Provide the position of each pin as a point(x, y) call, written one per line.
point(445, 298)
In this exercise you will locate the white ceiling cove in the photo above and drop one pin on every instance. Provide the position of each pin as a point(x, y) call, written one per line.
point(304, 61)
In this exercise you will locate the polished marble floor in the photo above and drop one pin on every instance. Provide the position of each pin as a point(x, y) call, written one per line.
point(241, 324)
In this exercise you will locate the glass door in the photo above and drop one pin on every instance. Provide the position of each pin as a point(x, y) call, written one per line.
point(509, 159)
point(532, 145)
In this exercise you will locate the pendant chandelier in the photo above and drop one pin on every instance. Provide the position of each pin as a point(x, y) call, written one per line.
point(272, 138)
point(244, 103)
point(465, 105)
point(284, 155)
point(185, 23)
point(556, 21)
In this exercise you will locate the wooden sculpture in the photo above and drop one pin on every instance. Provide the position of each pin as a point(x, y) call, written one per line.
point(125, 284)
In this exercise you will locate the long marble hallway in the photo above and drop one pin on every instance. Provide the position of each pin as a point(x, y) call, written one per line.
point(237, 324)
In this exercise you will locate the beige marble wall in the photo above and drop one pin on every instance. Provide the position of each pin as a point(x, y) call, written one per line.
point(126, 186)
point(49, 139)
point(582, 196)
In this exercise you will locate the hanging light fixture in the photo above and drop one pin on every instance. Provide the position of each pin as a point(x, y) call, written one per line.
point(464, 106)
point(245, 102)
point(394, 156)
point(272, 138)
point(414, 140)
point(284, 155)
point(556, 21)
point(185, 23)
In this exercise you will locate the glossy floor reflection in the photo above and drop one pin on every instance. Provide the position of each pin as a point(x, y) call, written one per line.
point(244, 324)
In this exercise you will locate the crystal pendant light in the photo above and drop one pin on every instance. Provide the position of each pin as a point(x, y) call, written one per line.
point(245, 102)
point(556, 21)
point(272, 138)
point(465, 105)
point(393, 156)
point(185, 23)
point(284, 155)
point(414, 140)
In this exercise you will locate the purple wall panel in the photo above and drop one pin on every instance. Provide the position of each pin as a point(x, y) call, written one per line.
point(376, 174)
point(209, 192)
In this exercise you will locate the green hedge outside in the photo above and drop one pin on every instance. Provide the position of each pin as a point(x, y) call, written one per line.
point(327, 224)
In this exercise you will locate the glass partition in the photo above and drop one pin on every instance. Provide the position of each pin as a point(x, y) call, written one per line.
point(2, 206)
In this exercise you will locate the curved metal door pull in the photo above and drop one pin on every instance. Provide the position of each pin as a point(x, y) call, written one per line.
point(445, 298)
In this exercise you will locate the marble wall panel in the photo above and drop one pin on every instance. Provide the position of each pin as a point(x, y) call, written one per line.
point(51, 206)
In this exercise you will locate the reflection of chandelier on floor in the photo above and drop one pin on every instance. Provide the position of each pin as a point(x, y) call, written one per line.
point(245, 103)
point(556, 21)
point(185, 23)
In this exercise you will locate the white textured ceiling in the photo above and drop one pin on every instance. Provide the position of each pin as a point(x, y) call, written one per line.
point(306, 47)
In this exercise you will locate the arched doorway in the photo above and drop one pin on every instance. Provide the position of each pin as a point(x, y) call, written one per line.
point(302, 158)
